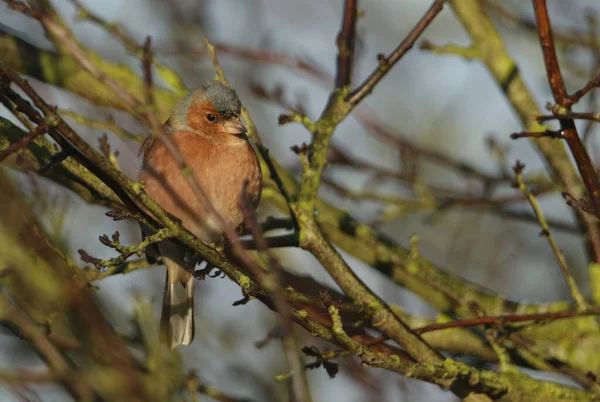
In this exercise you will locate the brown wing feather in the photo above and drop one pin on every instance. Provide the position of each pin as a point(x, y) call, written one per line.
point(152, 252)
point(149, 141)
point(147, 144)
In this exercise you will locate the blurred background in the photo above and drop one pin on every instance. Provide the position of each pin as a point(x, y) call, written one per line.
point(440, 103)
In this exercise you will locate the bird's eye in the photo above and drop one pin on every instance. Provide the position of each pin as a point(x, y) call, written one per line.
point(211, 117)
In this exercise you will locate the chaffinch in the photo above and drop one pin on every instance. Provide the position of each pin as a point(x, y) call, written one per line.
point(206, 128)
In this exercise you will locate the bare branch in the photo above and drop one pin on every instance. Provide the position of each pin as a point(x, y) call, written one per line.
point(386, 63)
point(577, 296)
point(568, 129)
point(345, 42)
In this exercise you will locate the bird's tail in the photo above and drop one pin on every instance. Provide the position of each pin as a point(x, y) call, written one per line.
point(177, 317)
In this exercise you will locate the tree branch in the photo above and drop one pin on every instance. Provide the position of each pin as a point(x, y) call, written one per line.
point(386, 63)
point(345, 43)
point(569, 131)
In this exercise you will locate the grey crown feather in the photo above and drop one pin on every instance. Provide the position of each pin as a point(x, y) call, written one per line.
point(222, 96)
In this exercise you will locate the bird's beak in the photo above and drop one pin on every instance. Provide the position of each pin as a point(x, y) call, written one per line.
point(234, 127)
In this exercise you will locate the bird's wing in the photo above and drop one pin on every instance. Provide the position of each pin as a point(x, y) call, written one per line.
point(153, 254)
point(146, 145)
point(149, 141)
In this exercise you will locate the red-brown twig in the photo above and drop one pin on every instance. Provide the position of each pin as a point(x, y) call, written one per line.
point(345, 42)
point(577, 95)
point(39, 130)
point(147, 58)
point(509, 318)
point(386, 63)
point(562, 98)
point(571, 115)
point(536, 134)
point(486, 321)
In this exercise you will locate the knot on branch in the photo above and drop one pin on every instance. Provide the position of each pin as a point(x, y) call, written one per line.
point(119, 214)
point(285, 119)
point(383, 62)
point(302, 149)
point(581, 203)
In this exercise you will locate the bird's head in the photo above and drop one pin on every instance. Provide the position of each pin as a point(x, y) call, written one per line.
point(212, 110)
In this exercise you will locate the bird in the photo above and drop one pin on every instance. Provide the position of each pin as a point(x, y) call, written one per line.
point(207, 129)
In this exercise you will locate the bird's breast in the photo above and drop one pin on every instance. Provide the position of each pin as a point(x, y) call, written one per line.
point(220, 167)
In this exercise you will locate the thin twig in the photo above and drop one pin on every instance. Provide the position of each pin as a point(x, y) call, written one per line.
point(508, 318)
point(536, 134)
point(22, 143)
point(386, 63)
point(345, 42)
point(462, 200)
point(505, 72)
point(109, 124)
point(571, 115)
point(147, 58)
point(565, 38)
point(130, 44)
point(577, 296)
point(577, 95)
point(562, 98)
